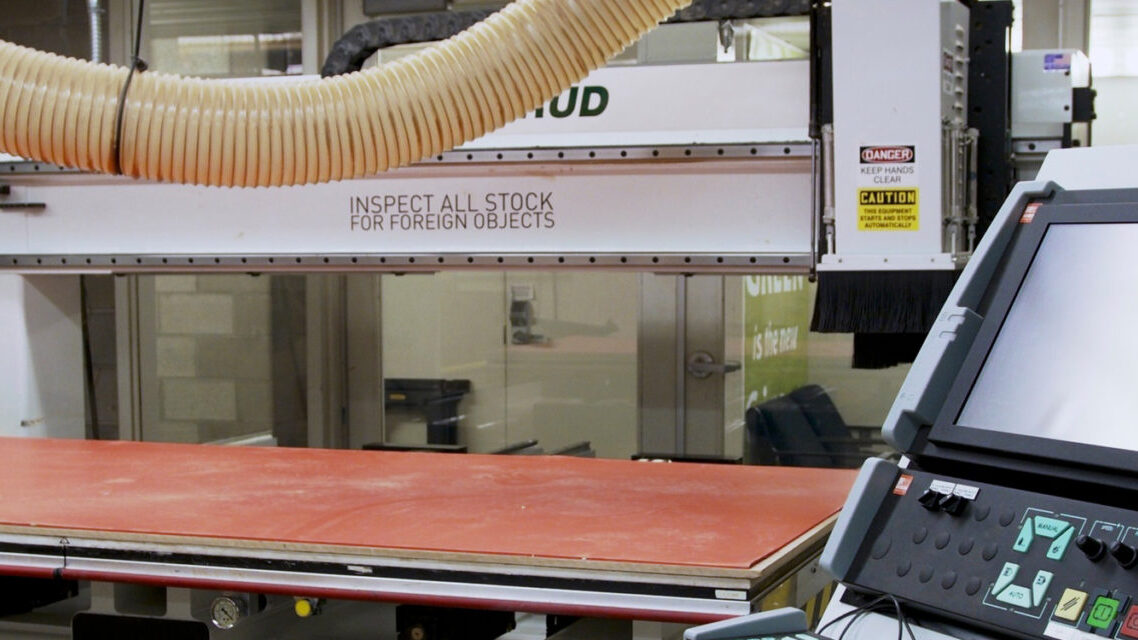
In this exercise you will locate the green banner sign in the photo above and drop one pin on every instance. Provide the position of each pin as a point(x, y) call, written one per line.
point(776, 311)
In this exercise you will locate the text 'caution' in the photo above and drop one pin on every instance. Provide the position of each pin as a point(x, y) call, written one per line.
point(888, 210)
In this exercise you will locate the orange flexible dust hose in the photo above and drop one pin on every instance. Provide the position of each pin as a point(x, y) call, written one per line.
point(63, 111)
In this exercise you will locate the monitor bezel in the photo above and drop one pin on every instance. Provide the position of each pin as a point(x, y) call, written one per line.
point(1002, 292)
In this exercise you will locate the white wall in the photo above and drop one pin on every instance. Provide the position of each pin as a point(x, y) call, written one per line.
point(41, 351)
point(1114, 105)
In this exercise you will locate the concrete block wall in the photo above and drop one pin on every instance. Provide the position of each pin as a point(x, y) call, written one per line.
point(213, 361)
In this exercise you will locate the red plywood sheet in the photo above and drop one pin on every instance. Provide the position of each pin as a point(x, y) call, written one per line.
point(719, 516)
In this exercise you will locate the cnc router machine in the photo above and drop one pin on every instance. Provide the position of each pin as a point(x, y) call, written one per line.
point(634, 188)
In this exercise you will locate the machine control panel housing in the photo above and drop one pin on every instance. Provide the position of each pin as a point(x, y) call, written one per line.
point(1011, 560)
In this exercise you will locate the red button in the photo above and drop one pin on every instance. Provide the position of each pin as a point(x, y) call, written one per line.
point(1130, 624)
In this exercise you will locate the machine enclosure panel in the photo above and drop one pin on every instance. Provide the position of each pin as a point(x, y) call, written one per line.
point(718, 207)
point(891, 91)
point(638, 193)
point(1042, 94)
point(669, 105)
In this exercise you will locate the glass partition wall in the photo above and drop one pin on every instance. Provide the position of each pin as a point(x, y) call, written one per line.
point(546, 356)
point(584, 362)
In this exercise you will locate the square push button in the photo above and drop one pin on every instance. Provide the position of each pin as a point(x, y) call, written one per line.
point(1071, 605)
point(1129, 626)
point(1103, 612)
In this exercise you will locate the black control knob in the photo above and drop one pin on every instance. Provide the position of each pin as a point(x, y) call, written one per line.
point(930, 499)
point(1126, 555)
point(1092, 547)
point(953, 505)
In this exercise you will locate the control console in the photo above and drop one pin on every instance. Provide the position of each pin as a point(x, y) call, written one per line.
point(1030, 563)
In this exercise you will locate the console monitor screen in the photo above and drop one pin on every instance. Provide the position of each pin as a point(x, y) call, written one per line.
point(1064, 365)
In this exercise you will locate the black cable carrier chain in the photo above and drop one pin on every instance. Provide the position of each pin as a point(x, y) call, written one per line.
point(361, 41)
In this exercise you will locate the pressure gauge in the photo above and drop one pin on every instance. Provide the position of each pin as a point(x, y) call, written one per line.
point(227, 610)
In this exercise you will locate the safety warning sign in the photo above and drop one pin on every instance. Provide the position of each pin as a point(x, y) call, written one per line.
point(888, 210)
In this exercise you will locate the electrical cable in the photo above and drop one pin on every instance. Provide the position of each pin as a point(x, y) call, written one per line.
point(136, 64)
point(861, 609)
point(900, 617)
point(851, 623)
point(855, 614)
point(904, 618)
point(88, 359)
point(224, 133)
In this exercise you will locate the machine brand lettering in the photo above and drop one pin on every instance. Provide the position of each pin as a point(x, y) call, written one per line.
point(875, 155)
point(593, 100)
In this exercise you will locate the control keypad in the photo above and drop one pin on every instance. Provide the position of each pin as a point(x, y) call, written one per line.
point(1007, 562)
point(1047, 528)
point(1025, 597)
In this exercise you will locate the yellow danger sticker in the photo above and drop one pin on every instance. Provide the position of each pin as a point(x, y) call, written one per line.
point(888, 210)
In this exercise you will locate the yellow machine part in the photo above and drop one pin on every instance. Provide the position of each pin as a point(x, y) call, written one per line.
point(64, 111)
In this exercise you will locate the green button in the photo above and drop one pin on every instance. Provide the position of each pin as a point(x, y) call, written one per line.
point(1059, 546)
point(1007, 574)
point(1039, 586)
point(1023, 542)
point(1016, 595)
point(1103, 612)
point(1049, 527)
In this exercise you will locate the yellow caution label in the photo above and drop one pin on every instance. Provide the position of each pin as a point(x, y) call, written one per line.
point(888, 210)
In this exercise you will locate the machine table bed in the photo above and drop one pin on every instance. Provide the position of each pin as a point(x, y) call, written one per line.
point(597, 538)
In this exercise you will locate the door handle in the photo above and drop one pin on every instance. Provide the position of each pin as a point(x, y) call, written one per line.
point(702, 364)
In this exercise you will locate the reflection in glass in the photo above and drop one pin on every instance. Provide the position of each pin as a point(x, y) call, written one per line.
point(209, 38)
point(549, 356)
point(223, 357)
